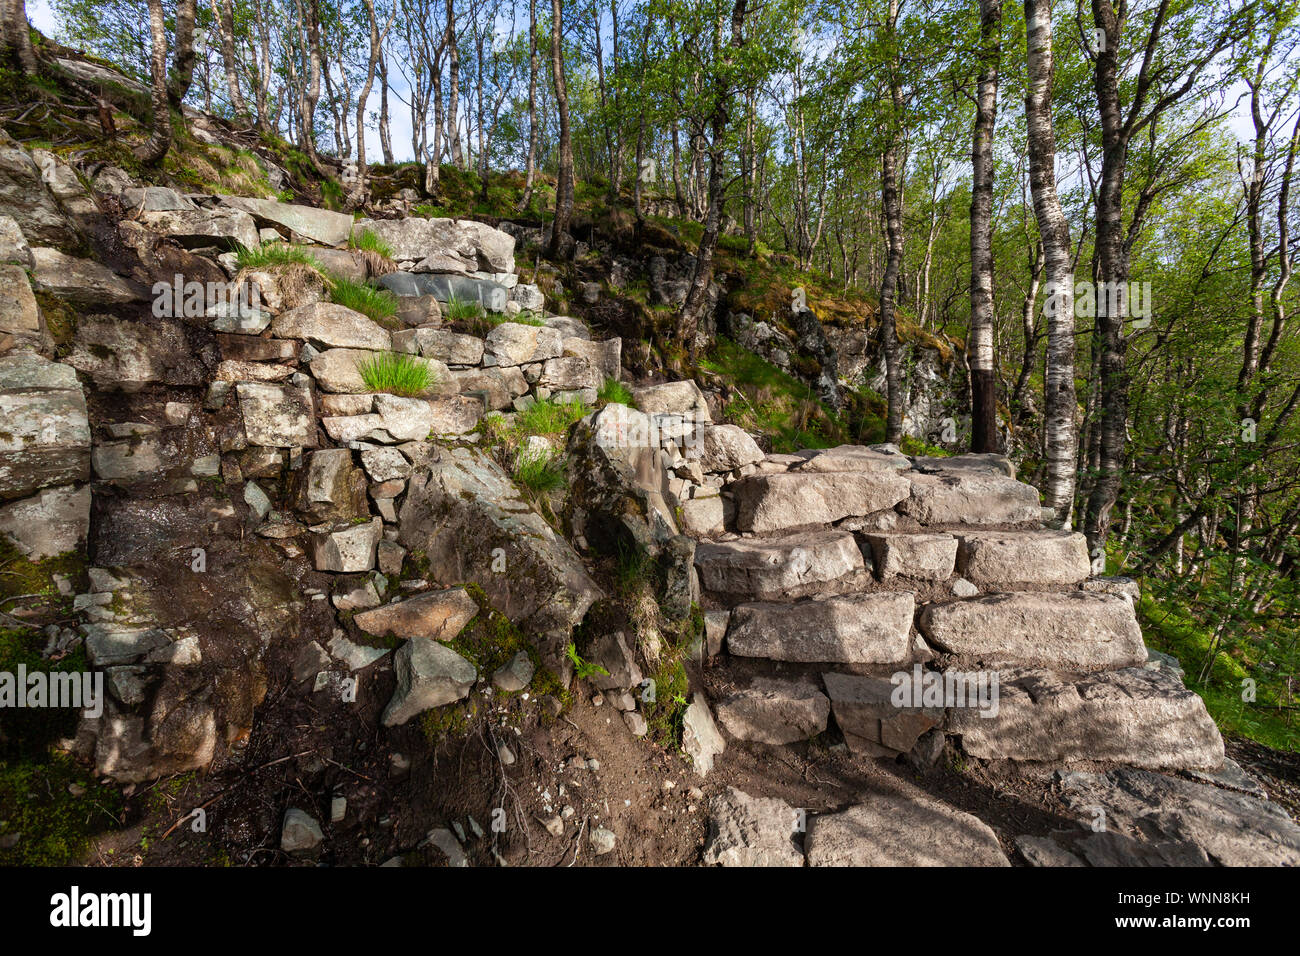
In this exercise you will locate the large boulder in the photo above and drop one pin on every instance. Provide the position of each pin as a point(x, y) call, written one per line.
point(454, 244)
point(24, 196)
point(82, 281)
point(127, 356)
point(774, 711)
point(199, 228)
point(468, 518)
point(20, 316)
point(869, 718)
point(621, 497)
point(513, 343)
point(1019, 557)
point(277, 416)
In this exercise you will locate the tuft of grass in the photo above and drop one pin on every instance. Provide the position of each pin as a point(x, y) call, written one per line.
point(367, 241)
point(274, 254)
point(548, 417)
point(614, 392)
point(379, 304)
point(539, 472)
point(461, 310)
point(397, 373)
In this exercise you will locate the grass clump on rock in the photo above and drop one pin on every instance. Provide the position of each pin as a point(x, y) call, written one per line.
point(379, 305)
point(397, 373)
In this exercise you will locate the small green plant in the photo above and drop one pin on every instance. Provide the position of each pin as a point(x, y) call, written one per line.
point(549, 417)
point(539, 471)
point(274, 254)
point(379, 304)
point(462, 310)
point(367, 241)
point(397, 374)
point(614, 392)
point(583, 669)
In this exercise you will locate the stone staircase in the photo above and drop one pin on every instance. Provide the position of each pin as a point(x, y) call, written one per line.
point(851, 573)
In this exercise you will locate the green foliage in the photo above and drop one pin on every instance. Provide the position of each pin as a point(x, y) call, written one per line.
point(582, 669)
point(397, 373)
point(549, 417)
point(773, 403)
point(55, 808)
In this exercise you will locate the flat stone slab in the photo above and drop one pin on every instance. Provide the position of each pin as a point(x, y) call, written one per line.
point(774, 711)
point(751, 831)
point(1134, 716)
point(789, 500)
point(1075, 631)
point(970, 498)
point(1023, 557)
point(1233, 829)
point(763, 569)
point(896, 830)
point(870, 628)
point(850, 458)
point(926, 557)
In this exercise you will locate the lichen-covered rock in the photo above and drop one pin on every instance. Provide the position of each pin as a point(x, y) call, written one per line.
point(429, 675)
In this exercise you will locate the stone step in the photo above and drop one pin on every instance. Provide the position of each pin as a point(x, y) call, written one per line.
point(774, 711)
point(870, 718)
point(1077, 631)
point(788, 567)
point(912, 829)
point(927, 557)
point(872, 628)
point(794, 499)
point(1023, 557)
point(970, 498)
point(1136, 716)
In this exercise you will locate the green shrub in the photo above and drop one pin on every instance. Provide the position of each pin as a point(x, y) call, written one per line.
point(397, 374)
point(379, 304)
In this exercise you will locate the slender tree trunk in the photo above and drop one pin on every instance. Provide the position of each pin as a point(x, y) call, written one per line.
point(160, 136)
point(385, 134)
point(979, 349)
point(224, 13)
point(17, 38)
point(376, 41)
point(697, 297)
point(453, 103)
point(183, 55)
point(892, 205)
point(1060, 440)
point(530, 175)
point(564, 178)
